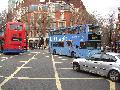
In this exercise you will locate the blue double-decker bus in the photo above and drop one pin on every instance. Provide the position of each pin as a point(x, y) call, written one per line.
point(75, 41)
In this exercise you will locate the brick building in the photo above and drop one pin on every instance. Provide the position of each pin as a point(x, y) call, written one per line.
point(40, 17)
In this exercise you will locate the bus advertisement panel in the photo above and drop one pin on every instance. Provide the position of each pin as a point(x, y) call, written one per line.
point(75, 41)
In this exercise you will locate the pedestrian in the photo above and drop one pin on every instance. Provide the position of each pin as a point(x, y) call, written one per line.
point(42, 42)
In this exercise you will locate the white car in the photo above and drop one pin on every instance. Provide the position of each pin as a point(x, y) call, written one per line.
point(104, 64)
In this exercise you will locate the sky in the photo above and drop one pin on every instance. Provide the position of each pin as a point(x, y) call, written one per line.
point(3, 5)
point(102, 7)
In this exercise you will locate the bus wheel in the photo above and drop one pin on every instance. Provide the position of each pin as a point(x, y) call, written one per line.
point(54, 52)
point(72, 54)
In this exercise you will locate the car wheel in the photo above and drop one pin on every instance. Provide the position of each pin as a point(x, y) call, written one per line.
point(76, 67)
point(114, 75)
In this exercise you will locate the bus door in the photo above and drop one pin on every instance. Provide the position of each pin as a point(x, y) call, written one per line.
point(57, 47)
point(67, 48)
point(60, 48)
point(82, 49)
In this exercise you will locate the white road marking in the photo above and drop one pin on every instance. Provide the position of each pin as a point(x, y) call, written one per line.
point(34, 52)
point(1, 76)
point(16, 71)
point(64, 59)
point(55, 55)
point(24, 78)
point(47, 56)
point(0, 66)
point(43, 53)
point(58, 84)
point(33, 58)
point(11, 57)
point(24, 67)
point(59, 57)
point(57, 62)
point(23, 61)
point(3, 59)
point(65, 68)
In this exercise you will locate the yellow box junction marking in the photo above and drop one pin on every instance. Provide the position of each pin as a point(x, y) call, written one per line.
point(16, 71)
point(112, 85)
point(58, 84)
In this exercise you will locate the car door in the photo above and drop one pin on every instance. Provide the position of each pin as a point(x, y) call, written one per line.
point(106, 64)
point(92, 63)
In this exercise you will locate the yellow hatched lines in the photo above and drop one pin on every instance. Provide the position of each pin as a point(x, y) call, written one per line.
point(16, 71)
point(111, 84)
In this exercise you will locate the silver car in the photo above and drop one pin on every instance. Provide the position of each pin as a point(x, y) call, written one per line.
point(104, 64)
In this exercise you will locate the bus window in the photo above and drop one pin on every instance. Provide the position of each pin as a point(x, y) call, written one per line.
point(82, 45)
point(55, 44)
point(69, 43)
point(61, 44)
point(93, 28)
point(15, 27)
point(58, 44)
point(93, 45)
point(79, 29)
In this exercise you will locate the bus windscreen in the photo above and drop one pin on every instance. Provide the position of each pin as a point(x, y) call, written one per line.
point(15, 27)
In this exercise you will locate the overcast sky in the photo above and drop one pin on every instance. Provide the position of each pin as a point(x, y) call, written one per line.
point(103, 7)
point(3, 5)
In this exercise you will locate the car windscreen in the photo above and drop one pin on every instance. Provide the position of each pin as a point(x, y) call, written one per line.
point(118, 57)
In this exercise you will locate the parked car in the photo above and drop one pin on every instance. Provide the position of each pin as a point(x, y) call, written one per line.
point(104, 64)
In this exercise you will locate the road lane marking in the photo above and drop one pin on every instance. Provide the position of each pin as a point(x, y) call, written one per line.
point(11, 57)
point(24, 67)
point(33, 58)
point(55, 55)
point(0, 66)
point(29, 54)
point(16, 71)
point(112, 85)
point(23, 61)
point(59, 57)
point(64, 59)
point(24, 78)
point(66, 68)
point(58, 84)
point(47, 56)
point(57, 62)
point(1, 76)
point(3, 59)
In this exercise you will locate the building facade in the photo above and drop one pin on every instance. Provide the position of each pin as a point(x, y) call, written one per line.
point(40, 16)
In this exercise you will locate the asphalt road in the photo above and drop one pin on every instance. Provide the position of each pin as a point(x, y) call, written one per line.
point(39, 70)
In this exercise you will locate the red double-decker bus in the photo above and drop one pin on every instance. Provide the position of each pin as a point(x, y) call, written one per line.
point(14, 39)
